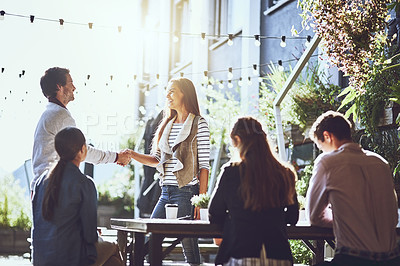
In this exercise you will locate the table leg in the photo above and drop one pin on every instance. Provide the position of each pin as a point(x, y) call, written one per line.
point(138, 250)
point(155, 250)
point(319, 246)
point(122, 237)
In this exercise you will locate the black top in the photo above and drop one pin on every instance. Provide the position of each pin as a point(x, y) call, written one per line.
point(245, 231)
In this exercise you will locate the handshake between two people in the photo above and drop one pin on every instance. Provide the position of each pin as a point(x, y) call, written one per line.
point(125, 156)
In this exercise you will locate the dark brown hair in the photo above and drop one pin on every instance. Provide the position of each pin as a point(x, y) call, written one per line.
point(332, 122)
point(265, 182)
point(189, 101)
point(68, 142)
point(52, 77)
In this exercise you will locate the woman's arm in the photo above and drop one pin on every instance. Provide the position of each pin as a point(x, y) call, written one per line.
point(146, 159)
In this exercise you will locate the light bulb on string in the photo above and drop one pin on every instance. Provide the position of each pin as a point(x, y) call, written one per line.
point(119, 29)
point(230, 74)
point(283, 42)
point(230, 85)
point(280, 66)
point(175, 38)
point(255, 71)
point(90, 25)
point(209, 86)
point(31, 18)
point(257, 41)
point(205, 77)
point(240, 82)
point(221, 85)
point(181, 74)
point(158, 78)
point(203, 38)
point(230, 39)
point(2, 13)
point(61, 21)
point(249, 82)
point(308, 41)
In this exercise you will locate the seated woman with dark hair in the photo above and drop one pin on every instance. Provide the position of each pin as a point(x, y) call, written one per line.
point(254, 201)
point(65, 211)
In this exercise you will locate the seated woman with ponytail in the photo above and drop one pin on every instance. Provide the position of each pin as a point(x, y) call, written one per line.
point(254, 201)
point(65, 211)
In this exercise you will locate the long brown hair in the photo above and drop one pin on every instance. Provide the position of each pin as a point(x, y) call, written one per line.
point(189, 101)
point(68, 142)
point(265, 182)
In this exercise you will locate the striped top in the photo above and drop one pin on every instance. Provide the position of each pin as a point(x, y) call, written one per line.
point(203, 152)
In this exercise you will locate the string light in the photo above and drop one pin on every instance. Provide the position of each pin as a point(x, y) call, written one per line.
point(230, 39)
point(119, 28)
point(240, 82)
point(280, 67)
point(230, 74)
point(90, 25)
point(203, 38)
point(255, 72)
point(308, 41)
point(249, 82)
point(2, 13)
point(2, 70)
point(88, 77)
point(111, 77)
point(158, 78)
point(134, 77)
point(283, 42)
point(257, 40)
point(230, 85)
point(205, 78)
point(32, 18)
point(181, 74)
point(61, 23)
point(221, 85)
point(209, 86)
point(175, 39)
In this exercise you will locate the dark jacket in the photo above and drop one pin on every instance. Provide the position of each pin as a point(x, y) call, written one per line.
point(68, 239)
point(245, 231)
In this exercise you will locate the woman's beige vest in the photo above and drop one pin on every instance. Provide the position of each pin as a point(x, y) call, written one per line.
point(184, 150)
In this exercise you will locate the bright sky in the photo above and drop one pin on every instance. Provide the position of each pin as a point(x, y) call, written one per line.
point(103, 112)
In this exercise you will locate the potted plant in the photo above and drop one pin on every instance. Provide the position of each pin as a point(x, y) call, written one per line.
point(201, 201)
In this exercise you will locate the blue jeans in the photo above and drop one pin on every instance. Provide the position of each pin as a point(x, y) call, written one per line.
point(180, 196)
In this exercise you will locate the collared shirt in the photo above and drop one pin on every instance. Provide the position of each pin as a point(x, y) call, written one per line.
point(57, 101)
point(352, 190)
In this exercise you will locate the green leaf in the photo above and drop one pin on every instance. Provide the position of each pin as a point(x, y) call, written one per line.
point(345, 91)
point(352, 111)
point(389, 67)
point(351, 95)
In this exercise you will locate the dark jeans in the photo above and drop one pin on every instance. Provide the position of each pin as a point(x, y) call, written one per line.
point(346, 260)
point(180, 196)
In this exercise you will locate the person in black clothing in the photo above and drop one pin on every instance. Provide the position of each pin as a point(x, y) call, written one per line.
point(254, 201)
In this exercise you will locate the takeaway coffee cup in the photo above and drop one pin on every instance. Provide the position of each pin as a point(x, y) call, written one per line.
point(171, 211)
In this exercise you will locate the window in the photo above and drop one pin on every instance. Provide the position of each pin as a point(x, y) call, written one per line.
point(227, 16)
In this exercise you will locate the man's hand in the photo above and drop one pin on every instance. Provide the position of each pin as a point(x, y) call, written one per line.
point(124, 157)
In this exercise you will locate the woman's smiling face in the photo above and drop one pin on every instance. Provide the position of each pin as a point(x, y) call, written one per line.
point(174, 97)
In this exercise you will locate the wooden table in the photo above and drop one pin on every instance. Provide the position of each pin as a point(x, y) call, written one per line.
point(158, 229)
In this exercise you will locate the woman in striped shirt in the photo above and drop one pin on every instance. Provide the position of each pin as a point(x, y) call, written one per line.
point(181, 153)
